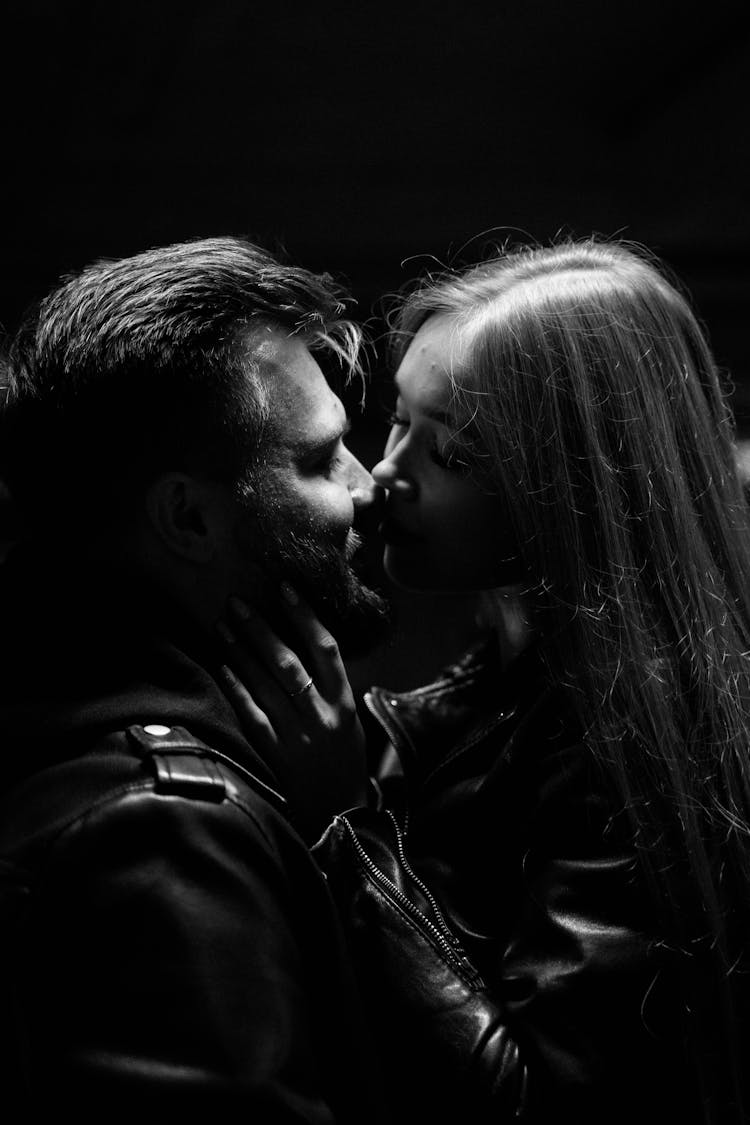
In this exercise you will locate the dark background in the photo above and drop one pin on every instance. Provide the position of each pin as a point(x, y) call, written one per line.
point(370, 139)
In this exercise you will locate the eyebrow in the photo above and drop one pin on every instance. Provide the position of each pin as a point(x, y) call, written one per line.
point(318, 445)
point(442, 417)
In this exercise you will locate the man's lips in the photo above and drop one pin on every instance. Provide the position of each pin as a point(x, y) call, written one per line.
point(391, 531)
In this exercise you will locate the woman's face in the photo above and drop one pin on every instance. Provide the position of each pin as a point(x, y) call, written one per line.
point(442, 529)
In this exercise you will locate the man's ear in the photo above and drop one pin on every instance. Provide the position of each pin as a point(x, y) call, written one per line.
point(185, 514)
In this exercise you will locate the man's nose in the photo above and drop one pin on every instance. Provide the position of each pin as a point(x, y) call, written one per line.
point(362, 487)
point(369, 502)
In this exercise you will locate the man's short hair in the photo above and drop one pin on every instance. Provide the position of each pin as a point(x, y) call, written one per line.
point(141, 365)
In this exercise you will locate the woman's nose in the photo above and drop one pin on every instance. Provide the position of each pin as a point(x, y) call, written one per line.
point(390, 474)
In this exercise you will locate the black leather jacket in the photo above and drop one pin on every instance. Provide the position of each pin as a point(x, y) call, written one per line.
point(170, 951)
point(557, 1003)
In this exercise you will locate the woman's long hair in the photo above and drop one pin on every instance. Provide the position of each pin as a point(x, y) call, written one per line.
point(595, 409)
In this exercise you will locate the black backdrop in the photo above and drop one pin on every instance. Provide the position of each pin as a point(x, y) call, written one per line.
point(369, 137)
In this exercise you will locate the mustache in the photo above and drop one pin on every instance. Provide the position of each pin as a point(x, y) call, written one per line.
point(304, 540)
point(353, 544)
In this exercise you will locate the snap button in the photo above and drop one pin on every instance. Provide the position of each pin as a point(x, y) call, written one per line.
point(157, 730)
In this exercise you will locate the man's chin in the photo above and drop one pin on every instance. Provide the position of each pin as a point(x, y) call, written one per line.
point(360, 625)
point(358, 616)
point(333, 578)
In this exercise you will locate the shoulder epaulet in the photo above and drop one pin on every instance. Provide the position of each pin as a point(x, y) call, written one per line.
point(184, 765)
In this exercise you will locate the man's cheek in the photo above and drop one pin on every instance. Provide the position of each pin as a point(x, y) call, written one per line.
point(333, 527)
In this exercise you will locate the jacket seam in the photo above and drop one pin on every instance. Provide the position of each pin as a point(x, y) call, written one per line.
point(112, 797)
point(97, 803)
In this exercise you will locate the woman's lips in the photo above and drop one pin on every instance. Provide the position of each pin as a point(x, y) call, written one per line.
point(391, 531)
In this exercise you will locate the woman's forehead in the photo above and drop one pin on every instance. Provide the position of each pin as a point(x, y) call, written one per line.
point(425, 374)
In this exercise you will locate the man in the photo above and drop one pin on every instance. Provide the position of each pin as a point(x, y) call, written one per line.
point(169, 439)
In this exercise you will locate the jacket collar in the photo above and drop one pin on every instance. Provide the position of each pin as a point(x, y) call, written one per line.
point(467, 700)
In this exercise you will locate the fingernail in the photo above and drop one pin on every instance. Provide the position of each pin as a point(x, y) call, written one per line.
point(289, 593)
point(239, 608)
point(225, 633)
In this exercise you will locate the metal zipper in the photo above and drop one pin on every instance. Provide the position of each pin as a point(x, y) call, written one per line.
point(445, 940)
point(450, 936)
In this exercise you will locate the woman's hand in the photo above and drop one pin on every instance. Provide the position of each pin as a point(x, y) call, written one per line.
point(296, 709)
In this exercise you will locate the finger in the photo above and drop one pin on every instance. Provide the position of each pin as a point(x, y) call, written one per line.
point(322, 654)
point(274, 654)
point(253, 719)
point(267, 691)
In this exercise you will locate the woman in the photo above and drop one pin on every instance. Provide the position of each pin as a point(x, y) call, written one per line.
point(573, 820)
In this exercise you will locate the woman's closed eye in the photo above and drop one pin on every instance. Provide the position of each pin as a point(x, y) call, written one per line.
point(441, 455)
point(448, 459)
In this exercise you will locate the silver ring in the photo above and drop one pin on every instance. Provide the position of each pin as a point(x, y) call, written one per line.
point(302, 690)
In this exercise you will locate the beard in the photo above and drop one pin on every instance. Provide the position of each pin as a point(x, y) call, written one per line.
point(329, 574)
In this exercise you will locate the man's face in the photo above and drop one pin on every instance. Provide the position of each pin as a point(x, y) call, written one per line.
point(310, 488)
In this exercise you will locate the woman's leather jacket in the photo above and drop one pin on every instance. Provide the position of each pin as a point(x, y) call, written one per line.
point(505, 939)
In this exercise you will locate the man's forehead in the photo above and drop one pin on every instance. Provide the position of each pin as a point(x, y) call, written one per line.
point(303, 408)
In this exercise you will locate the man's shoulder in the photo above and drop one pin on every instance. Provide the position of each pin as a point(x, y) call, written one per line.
point(128, 771)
